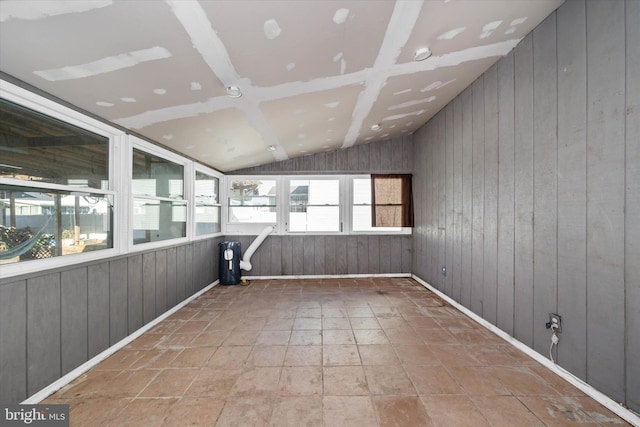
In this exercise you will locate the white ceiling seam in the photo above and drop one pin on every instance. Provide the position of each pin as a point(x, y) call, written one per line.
point(205, 40)
point(104, 65)
point(18, 9)
point(404, 17)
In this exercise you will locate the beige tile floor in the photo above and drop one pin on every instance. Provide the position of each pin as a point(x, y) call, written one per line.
point(341, 352)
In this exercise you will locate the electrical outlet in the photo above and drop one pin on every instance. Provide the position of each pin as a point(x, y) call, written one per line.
point(555, 319)
point(444, 271)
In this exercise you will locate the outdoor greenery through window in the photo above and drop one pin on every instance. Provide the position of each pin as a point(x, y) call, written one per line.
point(207, 204)
point(54, 197)
point(314, 205)
point(159, 208)
point(252, 201)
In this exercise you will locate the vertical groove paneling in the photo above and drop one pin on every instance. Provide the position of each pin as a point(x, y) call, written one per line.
point(490, 218)
point(572, 192)
point(374, 254)
point(43, 331)
point(632, 198)
point(74, 319)
point(467, 195)
point(341, 255)
point(172, 278)
point(134, 292)
point(523, 165)
point(505, 285)
point(149, 286)
point(309, 254)
point(51, 324)
point(181, 272)
point(605, 196)
point(441, 203)
point(287, 256)
point(330, 255)
point(117, 300)
point(352, 254)
point(319, 254)
point(297, 258)
point(13, 354)
point(545, 271)
point(161, 281)
point(98, 307)
point(449, 196)
point(456, 262)
point(276, 255)
point(477, 240)
point(552, 130)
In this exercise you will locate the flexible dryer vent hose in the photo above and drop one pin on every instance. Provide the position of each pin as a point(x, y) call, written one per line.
point(245, 262)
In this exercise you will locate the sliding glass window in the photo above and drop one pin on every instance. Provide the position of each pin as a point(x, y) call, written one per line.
point(159, 206)
point(54, 187)
point(207, 202)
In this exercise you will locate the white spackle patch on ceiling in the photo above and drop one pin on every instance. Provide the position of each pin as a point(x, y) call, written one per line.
point(337, 57)
point(19, 9)
point(271, 29)
point(451, 33)
point(168, 137)
point(410, 103)
point(104, 104)
point(341, 15)
point(518, 21)
point(160, 91)
point(291, 66)
point(196, 86)
point(402, 116)
point(332, 104)
point(402, 91)
point(437, 85)
point(489, 28)
point(128, 99)
point(104, 65)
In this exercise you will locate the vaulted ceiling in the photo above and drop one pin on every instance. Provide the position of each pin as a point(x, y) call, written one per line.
point(314, 75)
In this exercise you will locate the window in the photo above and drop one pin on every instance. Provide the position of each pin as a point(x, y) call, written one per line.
point(207, 204)
point(361, 207)
point(252, 200)
point(314, 205)
point(54, 187)
point(159, 207)
point(391, 200)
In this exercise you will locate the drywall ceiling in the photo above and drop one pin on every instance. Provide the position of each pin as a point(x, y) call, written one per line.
point(315, 75)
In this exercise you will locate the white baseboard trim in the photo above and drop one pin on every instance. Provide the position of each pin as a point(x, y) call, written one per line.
point(601, 398)
point(66, 379)
point(328, 276)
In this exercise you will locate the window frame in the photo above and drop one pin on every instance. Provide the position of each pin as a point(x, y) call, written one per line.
point(372, 231)
point(52, 109)
point(192, 226)
point(342, 198)
point(251, 228)
point(187, 197)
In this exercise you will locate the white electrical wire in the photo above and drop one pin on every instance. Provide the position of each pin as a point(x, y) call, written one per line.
point(554, 340)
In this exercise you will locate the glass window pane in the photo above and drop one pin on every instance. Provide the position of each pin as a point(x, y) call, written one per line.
point(314, 205)
point(37, 223)
point(207, 204)
point(155, 220)
point(252, 200)
point(156, 177)
point(38, 148)
point(361, 220)
point(362, 191)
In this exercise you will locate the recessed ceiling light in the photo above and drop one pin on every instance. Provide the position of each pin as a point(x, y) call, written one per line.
point(422, 54)
point(376, 128)
point(234, 92)
point(271, 148)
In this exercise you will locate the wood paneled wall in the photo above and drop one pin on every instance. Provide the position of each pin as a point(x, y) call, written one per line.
point(54, 322)
point(391, 155)
point(328, 255)
point(527, 191)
